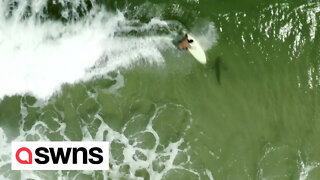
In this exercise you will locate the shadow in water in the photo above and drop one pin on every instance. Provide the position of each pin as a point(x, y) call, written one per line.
point(217, 67)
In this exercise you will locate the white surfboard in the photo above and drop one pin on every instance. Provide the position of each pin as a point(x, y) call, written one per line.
point(196, 50)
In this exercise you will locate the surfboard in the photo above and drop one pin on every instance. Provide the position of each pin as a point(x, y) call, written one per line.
point(196, 50)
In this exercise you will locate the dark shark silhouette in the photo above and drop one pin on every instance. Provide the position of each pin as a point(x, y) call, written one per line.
point(217, 66)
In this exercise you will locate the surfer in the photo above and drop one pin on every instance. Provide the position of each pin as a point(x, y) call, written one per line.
point(185, 43)
point(195, 49)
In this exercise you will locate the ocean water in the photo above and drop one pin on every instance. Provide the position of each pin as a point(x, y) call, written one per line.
point(106, 70)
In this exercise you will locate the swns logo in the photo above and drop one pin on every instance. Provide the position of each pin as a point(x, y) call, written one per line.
point(60, 155)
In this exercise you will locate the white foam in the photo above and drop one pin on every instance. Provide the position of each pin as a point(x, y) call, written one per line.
point(38, 56)
point(209, 174)
point(171, 151)
point(3, 178)
point(208, 36)
point(5, 149)
point(305, 168)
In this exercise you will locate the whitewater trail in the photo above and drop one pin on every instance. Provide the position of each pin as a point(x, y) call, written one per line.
point(38, 56)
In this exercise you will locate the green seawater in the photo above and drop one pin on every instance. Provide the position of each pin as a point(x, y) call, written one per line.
point(250, 113)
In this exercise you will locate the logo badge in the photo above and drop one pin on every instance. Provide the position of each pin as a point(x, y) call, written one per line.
point(60, 155)
point(29, 159)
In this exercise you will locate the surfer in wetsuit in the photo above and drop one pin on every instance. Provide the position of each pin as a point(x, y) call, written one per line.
point(185, 43)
